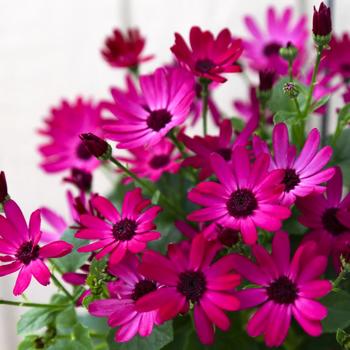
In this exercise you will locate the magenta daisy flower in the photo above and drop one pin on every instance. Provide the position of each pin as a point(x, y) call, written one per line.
point(262, 50)
point(153, 162)
point(118, 232)
point(167, 93)
point(327, 215)
point(336, 60)
point(284, 289)
point(121, 308)
point(189, 276)
point(64, 149)
point(245, 197)
point(209, 57)
point(203, 147)
point(19, 247)
point(302, 174)
point(125, 49)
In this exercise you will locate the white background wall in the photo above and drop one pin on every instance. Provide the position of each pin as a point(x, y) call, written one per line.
point(50, 49)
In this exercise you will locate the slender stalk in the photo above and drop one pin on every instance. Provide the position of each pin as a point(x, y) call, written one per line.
point(178, 144)
point(205, 95)
point(25, 304)
point(57, 282)
point(60, 286)
point(297, 106)
point(150, 188)
point(313, 82)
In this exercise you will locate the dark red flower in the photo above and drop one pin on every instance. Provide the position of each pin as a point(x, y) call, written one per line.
point(81, 179)
point(266, 80)
point(3, 187)
point(124, 50)
point(96, 146)
point(322, 21)
point(209, 57)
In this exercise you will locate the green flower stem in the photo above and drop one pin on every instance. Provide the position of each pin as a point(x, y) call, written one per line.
point(58, 284)
point(304, 114)
point(148, 187)
point(205, 94)
point(25, 304)
point(178, 144)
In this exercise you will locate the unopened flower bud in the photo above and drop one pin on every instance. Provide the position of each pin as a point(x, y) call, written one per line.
point(81, 179)
point(291, 89)
point(227, 236)
point(3, 188)
point(98, 147)
point(289, 52)
point(322, 26)
point(266, 80)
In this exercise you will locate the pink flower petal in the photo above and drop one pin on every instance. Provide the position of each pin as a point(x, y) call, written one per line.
point(41, 272)
point(204, 327)
point(55, 249)
point(23, 280)
point(311, 327)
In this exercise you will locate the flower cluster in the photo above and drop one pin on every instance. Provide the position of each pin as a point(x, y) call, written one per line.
point(245, 223)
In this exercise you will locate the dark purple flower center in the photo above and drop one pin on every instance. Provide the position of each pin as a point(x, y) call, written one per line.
point(159, 161)
point(290, 180)
point(227, 235)
point(272, 48)
point(142, 288)
point(331, 223)
point(204, 66)
point(225, 153)
point(124, 230)
point(241, 203)
point(282, 291)
point(82, 152)
point(27, 252)
point(192, 284)
point(158, 119)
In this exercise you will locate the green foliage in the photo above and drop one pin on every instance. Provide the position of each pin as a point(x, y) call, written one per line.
point(78, 339)
point(338, 305)
point(74, 260)
point(343, 339)
point(35, 319)
point(237, 123)
point(160, 337)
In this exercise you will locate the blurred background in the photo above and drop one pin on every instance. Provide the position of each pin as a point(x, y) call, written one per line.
point(51, 49)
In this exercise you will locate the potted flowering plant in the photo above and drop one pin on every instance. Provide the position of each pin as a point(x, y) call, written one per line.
point(237, 236)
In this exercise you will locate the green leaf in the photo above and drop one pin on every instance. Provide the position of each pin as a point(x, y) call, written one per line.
point(338, 305)
point(74, 260)
point(97, 324)
point(35, 319)
point(341, 155)
point(237, 123)
point(28, 343)
point(78, 340)
point(284, 117)
point(344, 114)
point(319, 103)
point(160, 337)
point(343, 339)
point(66, 320)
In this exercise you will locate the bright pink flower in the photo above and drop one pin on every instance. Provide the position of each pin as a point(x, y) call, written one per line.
point(116, 233)
point(302, 174)
point(65, 150)
point(209, 57)
point(223, 145)
point(245, 198)
point(121, 308)
point(19, 248)
point(336, 60)
point(285, 289)
point(188, 275)
point(262, 49)
point(327, 216)
point(154, 161)
point(124, 49)
point(167, 96)
point(197, 105)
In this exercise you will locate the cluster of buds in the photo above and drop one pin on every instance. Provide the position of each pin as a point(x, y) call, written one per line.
point(291, 89)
